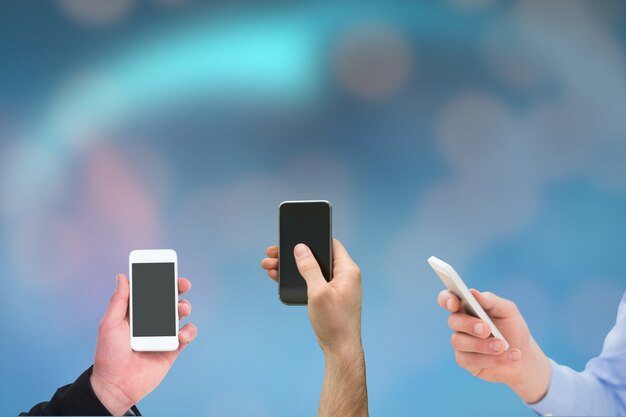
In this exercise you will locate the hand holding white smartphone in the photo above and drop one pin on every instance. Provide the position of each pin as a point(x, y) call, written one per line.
point(153, 300)
point(469, 304)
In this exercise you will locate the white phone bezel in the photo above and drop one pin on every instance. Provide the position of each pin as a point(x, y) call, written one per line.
point(155, 343)
point(455, 285)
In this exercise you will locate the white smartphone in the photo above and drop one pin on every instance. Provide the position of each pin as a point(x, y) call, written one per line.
point(469, 304)
point(153, 300)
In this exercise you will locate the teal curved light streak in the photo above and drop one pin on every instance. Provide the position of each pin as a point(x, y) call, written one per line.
point(275, 57)
point(268, 59)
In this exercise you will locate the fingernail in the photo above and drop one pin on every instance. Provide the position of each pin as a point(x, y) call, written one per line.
point(302, 250)
point(495, 345)
point(184, 333)
point(117, 280)
point(479, 328)
point(515, 355)
point(449, 304)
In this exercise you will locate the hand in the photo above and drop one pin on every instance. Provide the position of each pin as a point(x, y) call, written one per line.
point(335, 314)
point(524, 367)
point(121, 377)
point(335, 306)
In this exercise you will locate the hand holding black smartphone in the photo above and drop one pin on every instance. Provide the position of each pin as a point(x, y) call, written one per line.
point(308, 222)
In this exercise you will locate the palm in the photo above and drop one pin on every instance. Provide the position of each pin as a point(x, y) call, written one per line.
point(136, 373)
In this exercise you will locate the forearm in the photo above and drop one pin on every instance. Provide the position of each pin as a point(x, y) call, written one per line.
point(344, 392)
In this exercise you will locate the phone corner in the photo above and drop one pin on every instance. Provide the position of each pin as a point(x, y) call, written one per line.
point(287, 302)
point(175, 345)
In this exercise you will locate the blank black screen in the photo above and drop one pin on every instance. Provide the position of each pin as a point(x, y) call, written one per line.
point(308, 223)
point(154, 301)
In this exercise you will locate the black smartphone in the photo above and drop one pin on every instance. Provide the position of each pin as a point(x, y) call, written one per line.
point(308, 222)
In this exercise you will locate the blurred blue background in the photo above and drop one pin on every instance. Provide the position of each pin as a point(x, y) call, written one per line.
point(491, 134)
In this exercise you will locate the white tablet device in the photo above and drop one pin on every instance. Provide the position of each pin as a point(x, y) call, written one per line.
point(469, 304)
point(153, 300)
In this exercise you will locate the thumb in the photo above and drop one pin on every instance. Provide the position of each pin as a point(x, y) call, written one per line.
point(118, 306)
point(510, 356)
point(496, 307)
point(309, 268)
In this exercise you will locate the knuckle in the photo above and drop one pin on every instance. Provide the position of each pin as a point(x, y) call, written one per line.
point(461, 359)
point(117, 297)
point(454, 340)
point(308, 265)
point(501, 359)
point(324, 294)
point(441, 298)
point(482, 346)
point(457, 322)
point(318, 296)
point(102, 324)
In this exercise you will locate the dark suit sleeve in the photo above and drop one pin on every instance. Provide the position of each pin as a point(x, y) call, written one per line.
point(77, 399)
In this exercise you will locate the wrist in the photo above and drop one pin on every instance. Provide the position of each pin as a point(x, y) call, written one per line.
point(111, 397)
point(534, 381)
point(343, 347)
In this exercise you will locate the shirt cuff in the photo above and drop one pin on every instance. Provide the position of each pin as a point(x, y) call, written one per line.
point(81, 399)
point(85, 379)
point(88, 401)
point(557, 399)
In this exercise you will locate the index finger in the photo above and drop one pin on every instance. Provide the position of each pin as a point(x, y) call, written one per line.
point(272, 251)
point(449, 301)
point(341, 257)
point(496, 307)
